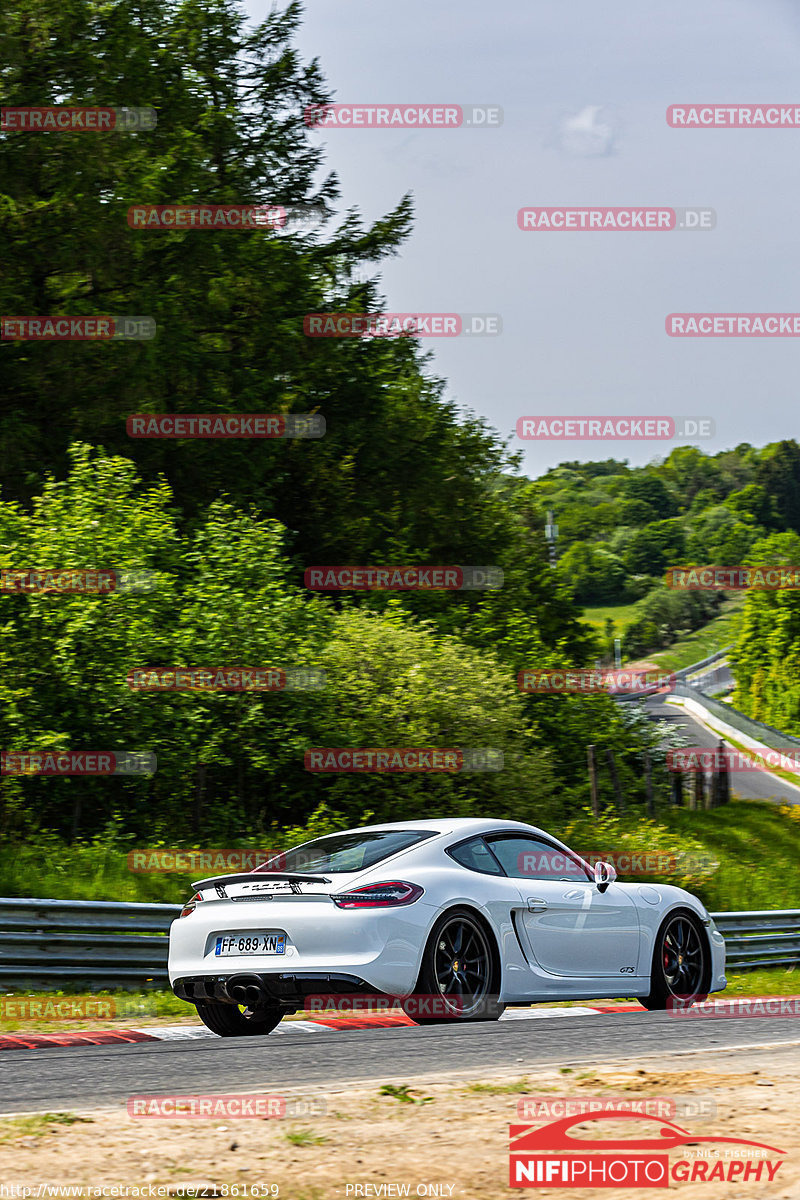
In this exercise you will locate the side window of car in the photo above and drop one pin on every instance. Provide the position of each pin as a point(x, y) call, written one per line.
point(475, 856)
point(531, 858)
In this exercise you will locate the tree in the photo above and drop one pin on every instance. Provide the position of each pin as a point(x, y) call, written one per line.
point(651, 490)
point(655, 547)
point(778, 473)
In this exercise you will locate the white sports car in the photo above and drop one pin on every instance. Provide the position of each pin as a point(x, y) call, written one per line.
point(457, 918)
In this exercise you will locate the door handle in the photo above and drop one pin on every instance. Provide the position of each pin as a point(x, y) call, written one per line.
point(536, 905)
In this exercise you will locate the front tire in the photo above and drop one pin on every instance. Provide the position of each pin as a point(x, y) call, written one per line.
point(233, 1020)
point(460, 973)
point(681, 964)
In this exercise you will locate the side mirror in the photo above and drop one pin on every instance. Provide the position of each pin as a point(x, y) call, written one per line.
point(604, 874)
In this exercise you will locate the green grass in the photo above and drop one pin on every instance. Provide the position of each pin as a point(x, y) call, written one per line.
point(620, 614)
point(756, 845)
point(38, 1125)
point(46, 868)
point(780, 981)
point(500, 1089)
point(703, 642)
point(304, 1137)
point(38, 1012)
point(692, 648)
point(404, 1093)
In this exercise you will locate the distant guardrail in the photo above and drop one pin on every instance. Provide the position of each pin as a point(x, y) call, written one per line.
point(678, 676)
point(51, 942)
point(703, 662)
point(776, 739)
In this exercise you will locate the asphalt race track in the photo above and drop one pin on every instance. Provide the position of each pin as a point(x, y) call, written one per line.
point(747, 785)
point(99, 1076)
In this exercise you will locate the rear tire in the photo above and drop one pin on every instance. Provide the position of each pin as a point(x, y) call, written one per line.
point(233, 1020)
point(460, 974)
point(681, 968)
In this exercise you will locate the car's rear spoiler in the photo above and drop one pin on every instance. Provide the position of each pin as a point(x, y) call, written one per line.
point(260, 875)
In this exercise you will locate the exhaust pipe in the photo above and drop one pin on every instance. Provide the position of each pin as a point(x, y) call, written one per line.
point(242, 991)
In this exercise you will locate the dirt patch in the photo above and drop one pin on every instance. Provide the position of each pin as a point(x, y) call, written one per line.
point(432, 1138)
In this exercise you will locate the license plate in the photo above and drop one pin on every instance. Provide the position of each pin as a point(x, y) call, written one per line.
point(250, 943)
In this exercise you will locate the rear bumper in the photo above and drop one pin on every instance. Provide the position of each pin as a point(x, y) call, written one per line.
point(284, 989)
point(380, 948)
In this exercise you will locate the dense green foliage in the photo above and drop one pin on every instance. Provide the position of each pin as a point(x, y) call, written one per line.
point(767, 652)
point(227, 527)
point(621, 528)
point(233, 763)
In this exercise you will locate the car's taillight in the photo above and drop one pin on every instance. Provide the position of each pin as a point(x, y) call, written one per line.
point(379, 895)
point(190, 904)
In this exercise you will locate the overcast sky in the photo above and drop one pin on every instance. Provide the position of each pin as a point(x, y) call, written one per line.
point(584, 88)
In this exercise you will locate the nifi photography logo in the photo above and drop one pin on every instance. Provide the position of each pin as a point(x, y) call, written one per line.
point(555, 1156)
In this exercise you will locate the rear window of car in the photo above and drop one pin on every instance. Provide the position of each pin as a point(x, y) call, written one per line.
point(475, 855)
point(341, 852)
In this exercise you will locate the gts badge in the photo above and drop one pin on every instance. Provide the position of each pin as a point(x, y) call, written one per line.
point(626, 970)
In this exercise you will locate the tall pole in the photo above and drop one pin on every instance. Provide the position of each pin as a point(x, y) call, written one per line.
point(551, 533)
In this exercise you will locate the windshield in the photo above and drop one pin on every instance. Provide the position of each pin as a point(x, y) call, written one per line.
point(341, 852)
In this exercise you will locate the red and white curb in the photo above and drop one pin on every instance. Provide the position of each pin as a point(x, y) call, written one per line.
point(332, 1024)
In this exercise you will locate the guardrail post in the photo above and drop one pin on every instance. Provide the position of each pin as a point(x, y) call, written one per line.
point(720, 787)
point(724, 778)
point(612, 766)
point(699, 798)
point(676, 790)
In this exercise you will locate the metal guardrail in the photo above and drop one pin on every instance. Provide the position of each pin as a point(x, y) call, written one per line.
point(50, 942)
point(760, 939)
point(703, 662)
point(680, 677)
point(56, 940)
point(776, 739)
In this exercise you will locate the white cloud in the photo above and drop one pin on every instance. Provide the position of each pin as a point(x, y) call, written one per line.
point(586, 134)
